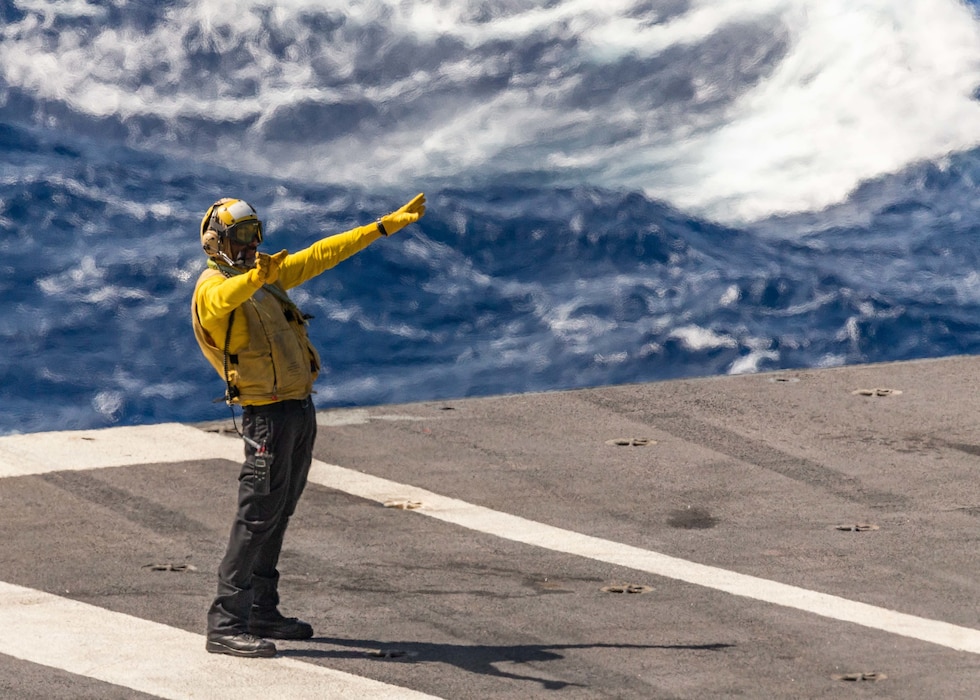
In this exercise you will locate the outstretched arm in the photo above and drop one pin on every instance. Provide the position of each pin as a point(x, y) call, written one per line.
point(328, 252)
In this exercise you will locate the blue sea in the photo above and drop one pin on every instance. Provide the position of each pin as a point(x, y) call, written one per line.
point(625, 191)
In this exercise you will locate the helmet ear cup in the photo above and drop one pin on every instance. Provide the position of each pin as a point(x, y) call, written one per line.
point(211, 243)
point(211, 239)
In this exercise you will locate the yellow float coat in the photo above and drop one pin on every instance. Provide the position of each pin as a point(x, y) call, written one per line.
point(275, 359)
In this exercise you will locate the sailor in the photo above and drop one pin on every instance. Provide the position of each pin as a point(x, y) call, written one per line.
point(256, 339)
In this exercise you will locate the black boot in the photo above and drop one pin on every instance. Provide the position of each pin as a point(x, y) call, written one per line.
point(240, 645)
point(271, 624)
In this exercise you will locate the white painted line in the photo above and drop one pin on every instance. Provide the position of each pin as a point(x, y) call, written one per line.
point(359, 416)
point(159, 660)
point(37, 453)
point(115, 448)
point(517, 529)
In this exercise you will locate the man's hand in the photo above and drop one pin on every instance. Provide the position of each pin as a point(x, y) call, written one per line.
point(400, 218)
point(266, 270)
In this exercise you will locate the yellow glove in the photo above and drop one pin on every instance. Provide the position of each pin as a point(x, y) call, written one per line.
point(266, 270)
point(400, 218)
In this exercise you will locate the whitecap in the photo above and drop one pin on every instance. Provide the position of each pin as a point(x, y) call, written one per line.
point(108, 403)
point(697, 338)
point(749, 364)
point(776, 106)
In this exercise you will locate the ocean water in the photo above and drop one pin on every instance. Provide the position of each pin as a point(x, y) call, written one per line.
point(618, 192)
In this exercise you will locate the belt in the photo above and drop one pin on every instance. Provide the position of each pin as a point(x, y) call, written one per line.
point(285, 405)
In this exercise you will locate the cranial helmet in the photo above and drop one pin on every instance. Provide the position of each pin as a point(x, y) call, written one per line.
point(229, 220)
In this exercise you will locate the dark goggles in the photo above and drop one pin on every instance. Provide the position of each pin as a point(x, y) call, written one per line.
point(244, 232)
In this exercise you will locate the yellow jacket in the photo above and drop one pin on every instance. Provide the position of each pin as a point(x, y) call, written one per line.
point(269, 356)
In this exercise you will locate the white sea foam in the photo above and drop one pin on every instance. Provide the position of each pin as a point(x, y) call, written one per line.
point(866, 88)
point(108, 403)
point(696, 338)
point(816, 96)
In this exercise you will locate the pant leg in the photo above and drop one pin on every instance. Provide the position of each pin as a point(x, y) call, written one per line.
point(265, 577)
point(260, 524)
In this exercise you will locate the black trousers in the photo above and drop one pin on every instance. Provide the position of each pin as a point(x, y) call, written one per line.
point(247, 577)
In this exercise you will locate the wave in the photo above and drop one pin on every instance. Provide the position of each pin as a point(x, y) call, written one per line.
point(628, 192)
point(731, 111)
point(504, 289)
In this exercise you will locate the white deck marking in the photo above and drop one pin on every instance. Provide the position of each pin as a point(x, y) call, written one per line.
point(146, 656)
point(75, 450)
point(173, 442)
point(159, 660)
point(517, 529)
